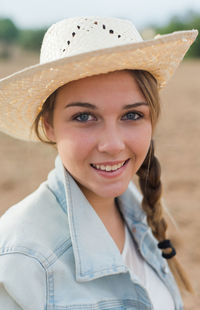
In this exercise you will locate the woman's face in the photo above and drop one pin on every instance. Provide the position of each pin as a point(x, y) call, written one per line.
point(101, 120)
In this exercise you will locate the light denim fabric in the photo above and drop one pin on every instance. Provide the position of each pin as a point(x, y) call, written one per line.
point(56, 254)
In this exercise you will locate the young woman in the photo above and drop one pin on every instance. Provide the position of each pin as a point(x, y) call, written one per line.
point(86, 238)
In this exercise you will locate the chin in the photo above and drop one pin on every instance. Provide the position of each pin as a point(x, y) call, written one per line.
point(112, 193)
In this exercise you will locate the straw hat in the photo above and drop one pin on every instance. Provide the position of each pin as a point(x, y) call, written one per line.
point(79, 47)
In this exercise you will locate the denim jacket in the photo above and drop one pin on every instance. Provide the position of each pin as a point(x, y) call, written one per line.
point(56, 254)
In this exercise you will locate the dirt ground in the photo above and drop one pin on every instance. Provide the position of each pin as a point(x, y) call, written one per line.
point(24, 165)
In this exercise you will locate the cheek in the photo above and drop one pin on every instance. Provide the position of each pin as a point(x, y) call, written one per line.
point(74, 147)
point(140, 142)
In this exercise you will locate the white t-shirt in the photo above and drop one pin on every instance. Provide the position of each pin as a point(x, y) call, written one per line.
point(146, 276)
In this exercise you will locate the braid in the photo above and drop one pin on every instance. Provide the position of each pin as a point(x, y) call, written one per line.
point(151, 187)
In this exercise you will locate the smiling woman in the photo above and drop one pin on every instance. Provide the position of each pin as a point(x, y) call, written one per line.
point(86, 238)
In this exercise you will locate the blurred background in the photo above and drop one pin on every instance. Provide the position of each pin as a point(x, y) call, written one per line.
point(25, 165)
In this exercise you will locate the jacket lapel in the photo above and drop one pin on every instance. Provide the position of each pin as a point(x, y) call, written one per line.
point(94, 250)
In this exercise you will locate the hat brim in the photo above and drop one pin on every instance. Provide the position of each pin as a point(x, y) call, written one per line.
point(23, 93)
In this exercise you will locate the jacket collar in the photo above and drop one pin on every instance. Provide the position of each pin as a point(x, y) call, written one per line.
point(94, 250)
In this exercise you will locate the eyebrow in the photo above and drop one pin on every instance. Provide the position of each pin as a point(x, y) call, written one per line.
point(93, 107)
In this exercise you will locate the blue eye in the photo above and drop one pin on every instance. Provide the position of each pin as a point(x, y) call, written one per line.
point(83, 117)
point(133, 115)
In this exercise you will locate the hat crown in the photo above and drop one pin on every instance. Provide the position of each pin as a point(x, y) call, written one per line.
point(80, 35)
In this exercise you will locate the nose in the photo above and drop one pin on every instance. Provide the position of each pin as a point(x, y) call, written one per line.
point(111, 140)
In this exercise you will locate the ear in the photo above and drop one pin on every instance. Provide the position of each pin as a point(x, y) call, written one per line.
point(49, 129)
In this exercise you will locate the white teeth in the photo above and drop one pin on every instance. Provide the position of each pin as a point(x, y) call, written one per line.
point(108, 168)
point(116, 166)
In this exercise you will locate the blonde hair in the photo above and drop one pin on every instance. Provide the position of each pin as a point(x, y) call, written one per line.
point(149, 173)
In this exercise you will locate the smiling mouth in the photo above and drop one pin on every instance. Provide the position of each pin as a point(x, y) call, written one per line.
point(109, 168)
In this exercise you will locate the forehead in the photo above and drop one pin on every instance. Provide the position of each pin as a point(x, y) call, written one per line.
point(117, 85)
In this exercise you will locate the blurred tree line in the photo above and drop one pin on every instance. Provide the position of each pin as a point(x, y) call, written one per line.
point(10, 34)
point(31, 39)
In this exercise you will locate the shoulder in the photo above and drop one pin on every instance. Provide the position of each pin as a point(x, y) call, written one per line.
point(36, 226)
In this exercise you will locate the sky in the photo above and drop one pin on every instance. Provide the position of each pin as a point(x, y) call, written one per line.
point(42, 13)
